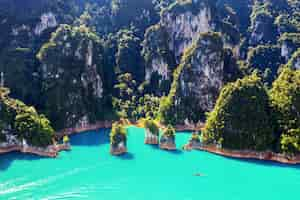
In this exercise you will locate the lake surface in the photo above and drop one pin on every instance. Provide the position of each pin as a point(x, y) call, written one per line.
point(145, 173)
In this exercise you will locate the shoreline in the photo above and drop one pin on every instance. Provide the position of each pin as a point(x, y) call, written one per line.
point(245, 154)
point(52, 151)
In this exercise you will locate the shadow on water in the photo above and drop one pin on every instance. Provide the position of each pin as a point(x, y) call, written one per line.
point(175, 152)
point(91, 138)
point(126, 156)
point(154, 146)
point(7, 159)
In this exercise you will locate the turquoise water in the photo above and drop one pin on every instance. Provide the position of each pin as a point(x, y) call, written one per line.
point(146, 173)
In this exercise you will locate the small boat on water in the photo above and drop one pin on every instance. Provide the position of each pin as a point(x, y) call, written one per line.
point(198, 174)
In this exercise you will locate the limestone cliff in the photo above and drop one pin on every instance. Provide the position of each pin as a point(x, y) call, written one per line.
point(197, 81)
point(180, 25)
point(72, 74)
point(24, 27)
point(289, 43)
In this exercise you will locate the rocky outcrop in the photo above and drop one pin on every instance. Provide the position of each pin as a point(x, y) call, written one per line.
point(150, 138)
point(167, 142)
point(118, 146)
point(193, 143)
point(118, 139)
point(48, 20)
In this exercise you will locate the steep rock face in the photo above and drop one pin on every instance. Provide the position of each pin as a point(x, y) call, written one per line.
point(185, 21)
point(24, 27)
point(262, 30)
point(180, 25)
point(294, 62)
point(289, 43)
point(48, 20)
point(197, 81)
point(159, 58)
point(72, 71)
point(129, 46)
point(202, 74)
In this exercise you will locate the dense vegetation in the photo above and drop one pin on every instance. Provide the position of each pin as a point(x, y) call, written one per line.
point(285, 100)
point(247, 116)
point(23, 122)
point(241, 118)
point(79, 62)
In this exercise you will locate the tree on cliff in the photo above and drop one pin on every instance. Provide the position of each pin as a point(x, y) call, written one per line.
point(285, 100)
point(241, 118)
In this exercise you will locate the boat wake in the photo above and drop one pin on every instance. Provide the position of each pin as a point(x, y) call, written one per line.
point(11, 187)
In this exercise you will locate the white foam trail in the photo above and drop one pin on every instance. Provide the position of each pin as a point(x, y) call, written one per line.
point(9, 182)
point(50, 179)
point(66, 195)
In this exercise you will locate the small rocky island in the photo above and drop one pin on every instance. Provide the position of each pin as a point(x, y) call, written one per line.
point(167, 140)
point(193, 143)
point(118, 138)
point(151, 132)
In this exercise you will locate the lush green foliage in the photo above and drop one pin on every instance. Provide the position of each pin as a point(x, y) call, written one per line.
point(23, 121)
point(169, 131)
point(265, 59)
point(152, 126)
point(241, 118)
point(285, 98)
point(290, 141)
point(130, 103)
point(195, 137)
